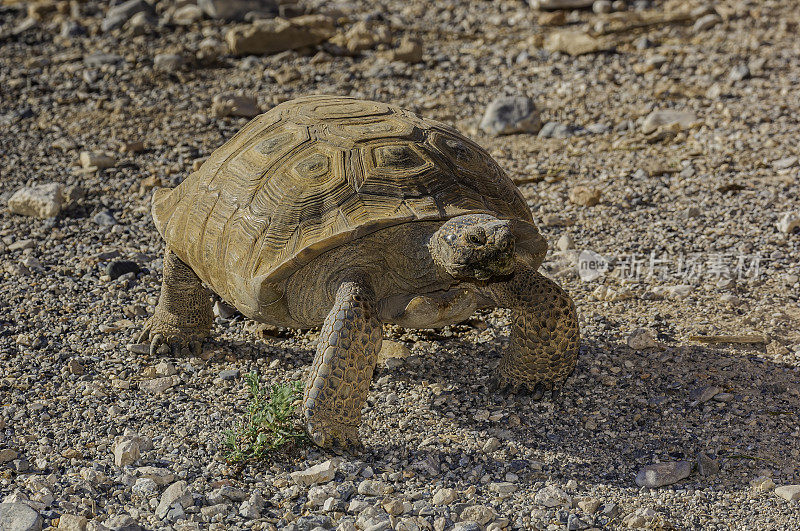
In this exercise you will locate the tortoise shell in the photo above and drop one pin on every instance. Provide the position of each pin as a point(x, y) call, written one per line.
point(314, 173)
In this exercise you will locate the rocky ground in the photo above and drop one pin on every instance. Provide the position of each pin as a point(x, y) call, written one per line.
point(665, 178)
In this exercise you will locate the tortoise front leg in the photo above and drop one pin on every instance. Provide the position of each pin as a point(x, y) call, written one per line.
point(544, 336)
point(183, 316)
point(342, 371)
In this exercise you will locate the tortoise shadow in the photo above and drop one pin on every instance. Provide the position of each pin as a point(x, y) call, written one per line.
point(619, 411)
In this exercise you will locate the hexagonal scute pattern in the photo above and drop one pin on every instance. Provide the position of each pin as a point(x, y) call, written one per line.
point(312, 173)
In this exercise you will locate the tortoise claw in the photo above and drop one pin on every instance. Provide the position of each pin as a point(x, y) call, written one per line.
point(334, 435)
point(555, 393)
point(175, 347)
point(143, 336)
point(156, 342)
point(499, 384)
point(195, 347)
point(167, 339)
point(538, 392)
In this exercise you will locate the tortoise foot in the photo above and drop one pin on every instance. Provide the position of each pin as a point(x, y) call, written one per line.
point(331, 434)
point(535, 389)
point(166, 337)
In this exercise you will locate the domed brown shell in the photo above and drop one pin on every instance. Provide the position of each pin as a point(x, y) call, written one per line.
point(316, 172)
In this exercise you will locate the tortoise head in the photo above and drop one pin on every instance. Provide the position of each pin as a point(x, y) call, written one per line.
point(474, 246)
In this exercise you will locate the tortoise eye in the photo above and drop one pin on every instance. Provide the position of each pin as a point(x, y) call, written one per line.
point(476, 238)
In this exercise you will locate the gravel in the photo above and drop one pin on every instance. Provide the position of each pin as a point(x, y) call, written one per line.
point(696, 223)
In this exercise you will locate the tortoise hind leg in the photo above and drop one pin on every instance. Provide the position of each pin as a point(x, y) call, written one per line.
point(183, 316)
point(342, 371)
point(544, 336)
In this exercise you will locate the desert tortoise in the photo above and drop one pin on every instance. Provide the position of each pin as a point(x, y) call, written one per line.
point(347, 214)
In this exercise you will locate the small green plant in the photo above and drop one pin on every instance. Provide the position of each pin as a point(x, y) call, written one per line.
point(271, 424)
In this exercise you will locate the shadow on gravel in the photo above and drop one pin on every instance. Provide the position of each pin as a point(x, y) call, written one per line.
point(619, 411)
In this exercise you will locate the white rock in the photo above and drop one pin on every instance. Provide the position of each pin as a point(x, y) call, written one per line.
point(656, 119)
point(591, 265)
point(784, 163)
point(318, 494)
point(373, 487)
point(731, 299)
point(145, 444)
point(19, 517)
point(16, 497)
point(100, 161)
point(213, 510)
point(604, 293)
point(320, 473)
point(41, 201)
point(175, 494)
point(602, 6)
point(7, 454)
point(167, 62)
point(789, 492)
point(574, 42)
point(357, 506)
point(642, 517)
point(145, 487)
point(209, 50)
point(642, 338)
point(252, 507)
point(161, 476)
point(706, 22)
point(234, 105)
point(511, 114)
point(789, 222)
point(165, 368)
point(278, 34)
point(187, 15)
point(589, 505)
point(72, 522)
point(660, 474)
point(234, 9)
point(44, 496)
point(223, 310)
point(560, 4)
point(157, 385)
point(502, 488)
point(126, 452)
point(492, 444)
point(762, 484)
point(565, 243)
point(552, 496)
point(225, 493)
point(482, 514)
point(444, 496)
point(681, 291)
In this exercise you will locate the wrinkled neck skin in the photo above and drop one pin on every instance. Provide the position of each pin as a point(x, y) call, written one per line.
point(410, 259)
point(391, 261)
